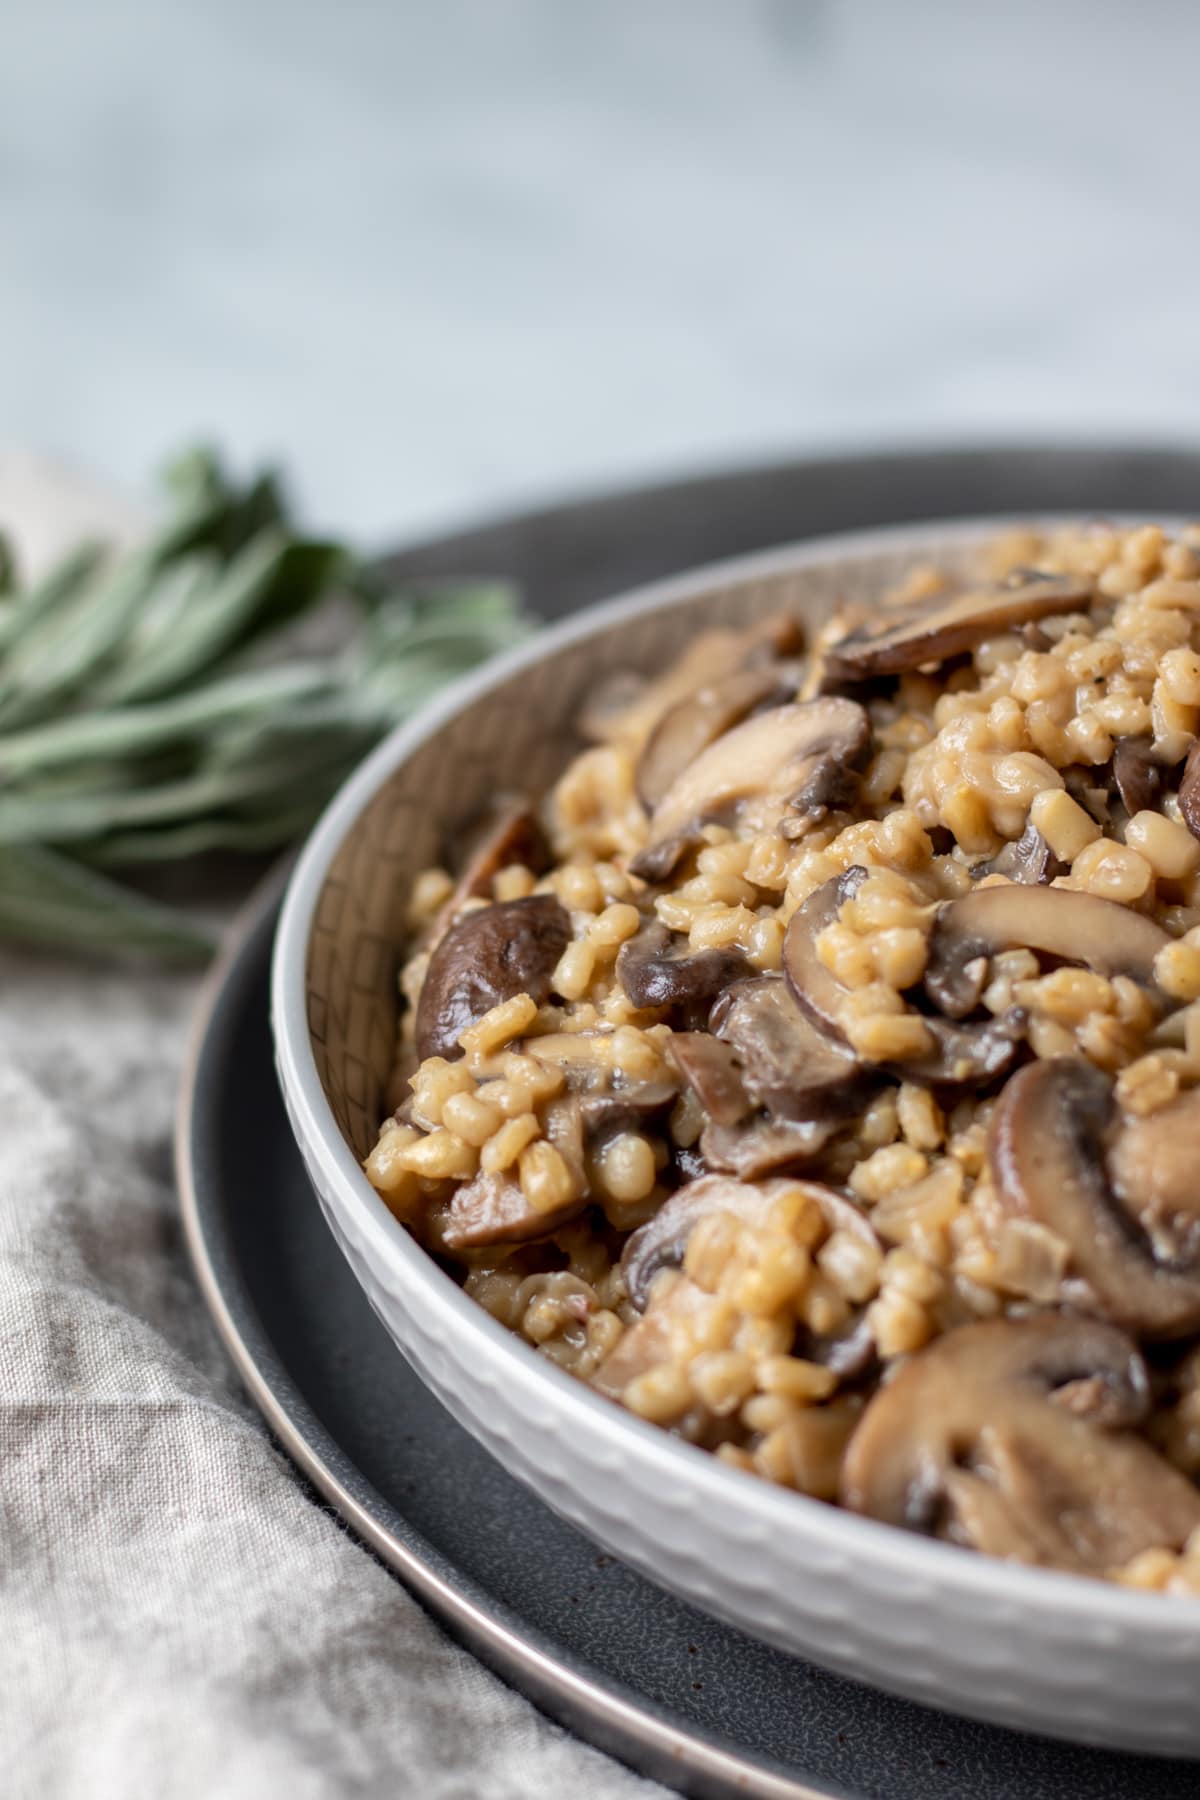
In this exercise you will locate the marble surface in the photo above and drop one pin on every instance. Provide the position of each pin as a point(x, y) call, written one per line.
point(442, 258)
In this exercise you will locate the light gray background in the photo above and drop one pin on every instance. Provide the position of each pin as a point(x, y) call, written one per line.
point(442, 257)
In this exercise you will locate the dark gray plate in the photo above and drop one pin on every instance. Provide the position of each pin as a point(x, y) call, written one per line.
point(694, 1703)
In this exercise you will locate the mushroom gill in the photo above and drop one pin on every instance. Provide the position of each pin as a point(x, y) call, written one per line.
point(1109, 938)
point(1123, 1196)
point(657, 969)
point(1015, 1436)
point(769, 762)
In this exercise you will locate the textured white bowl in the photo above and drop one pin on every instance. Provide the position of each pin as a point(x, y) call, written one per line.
point(1050, 1653)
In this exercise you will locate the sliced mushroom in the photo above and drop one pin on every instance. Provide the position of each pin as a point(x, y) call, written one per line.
point(1078, 928)
point(962, 1055)
point(1139, 776)
point(692, 724)
point(661, 1244)
point(626, 707)
point(624, 1105)
point(893, 642)
point(1123, 1199)
point(1029, 861)
point(602, 1098)
point(760, 1145)
point(830, 786)
point(966, 1056)
point(1012, 1436)
point(767, 760)
point(491, 1209)
point(509, 832)
point(713, 1073)
point(788, 1066)
point(656, 969)
point(502, 950)
point(819, 993)
point(1189, 791)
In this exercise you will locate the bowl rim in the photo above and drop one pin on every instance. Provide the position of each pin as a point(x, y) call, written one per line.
point(831, 1527)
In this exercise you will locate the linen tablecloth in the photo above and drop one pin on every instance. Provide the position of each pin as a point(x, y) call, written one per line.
point(177, 1616)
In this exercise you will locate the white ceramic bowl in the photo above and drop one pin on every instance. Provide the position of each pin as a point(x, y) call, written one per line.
point(1051, 1653)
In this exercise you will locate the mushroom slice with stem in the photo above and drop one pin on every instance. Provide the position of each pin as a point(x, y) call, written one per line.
point(1013, 1436)
point(741, 1137)
point(692, 724)
point(657, 969)
point(490, 955)
point(788, 1066)
point(766, 762)
point(1122, 1197)
point(961, 1055)
point(1078, 928)
point(893, 642)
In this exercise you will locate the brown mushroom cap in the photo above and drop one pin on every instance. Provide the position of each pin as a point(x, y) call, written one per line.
point(1010, 1436)
point(767, 759)
point(893, 642)
point(662, 1243)
point(1124, 1200)
point(493, 954)
point(1079, 928)
point(713, 1073)
point(760, 1145)
point(788, 1066)
point(657, 969)
point(1139, 776)
point(818, 992)
point(963, 1055)
point(770, 1094)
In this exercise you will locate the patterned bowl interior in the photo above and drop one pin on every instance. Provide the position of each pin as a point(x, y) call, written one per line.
point(518, 735)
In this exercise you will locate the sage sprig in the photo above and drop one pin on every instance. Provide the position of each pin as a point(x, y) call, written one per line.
point(155, 704)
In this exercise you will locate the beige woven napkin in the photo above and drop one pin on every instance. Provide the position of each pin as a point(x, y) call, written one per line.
point(177, 1617)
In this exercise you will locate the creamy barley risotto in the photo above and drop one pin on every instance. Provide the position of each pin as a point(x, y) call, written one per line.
point(815, 1071)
